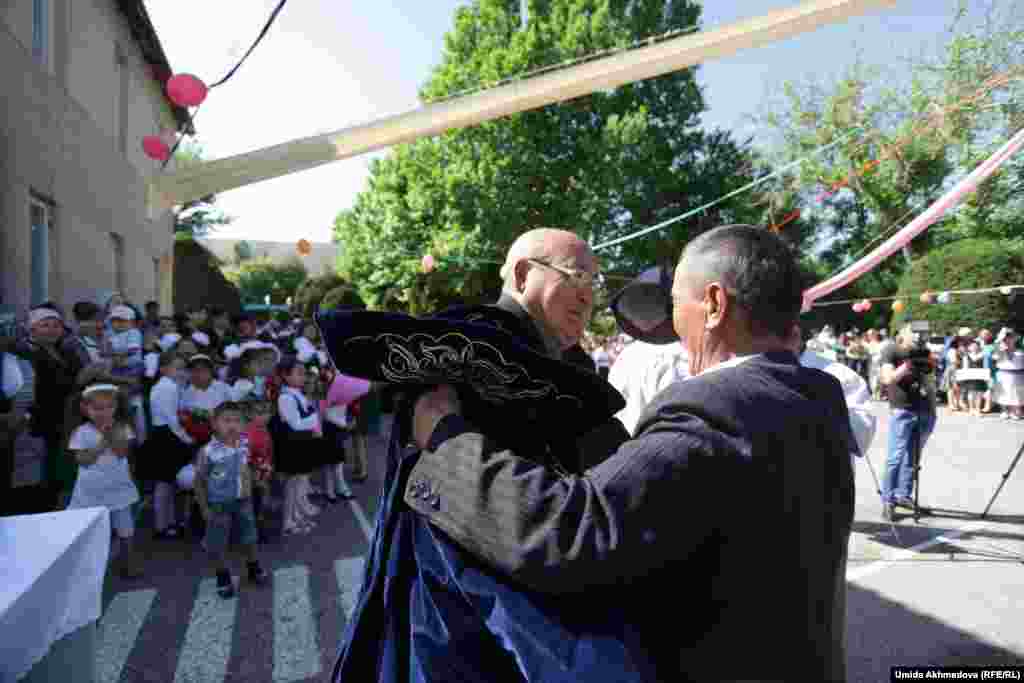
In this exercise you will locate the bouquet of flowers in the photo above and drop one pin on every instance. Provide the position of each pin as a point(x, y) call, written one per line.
point(196, 424)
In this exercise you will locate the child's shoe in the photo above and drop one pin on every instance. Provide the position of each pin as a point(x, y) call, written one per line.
point(225, 587)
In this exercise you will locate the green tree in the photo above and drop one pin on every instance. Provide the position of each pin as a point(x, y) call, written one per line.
point(965, 264)
point(901, 139)
point(602, 165)
point(199, 217)
point(311, 293)
point(257, 278)
point(344, 296)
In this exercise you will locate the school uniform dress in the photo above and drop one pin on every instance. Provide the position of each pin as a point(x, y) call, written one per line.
point(299, 451)
point(169, 448)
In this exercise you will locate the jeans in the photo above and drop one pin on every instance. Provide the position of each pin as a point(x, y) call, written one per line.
point(905, 426)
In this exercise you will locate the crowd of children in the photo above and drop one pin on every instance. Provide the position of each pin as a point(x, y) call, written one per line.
point(201, 411)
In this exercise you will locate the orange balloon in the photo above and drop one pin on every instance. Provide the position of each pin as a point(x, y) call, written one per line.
point(304, 247)
point(897, 305)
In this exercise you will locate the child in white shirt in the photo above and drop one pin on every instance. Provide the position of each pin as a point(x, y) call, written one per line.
point(102, 445)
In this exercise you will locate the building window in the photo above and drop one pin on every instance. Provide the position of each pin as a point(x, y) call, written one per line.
point(41, 31)
point(118, 249)
point(41, 221)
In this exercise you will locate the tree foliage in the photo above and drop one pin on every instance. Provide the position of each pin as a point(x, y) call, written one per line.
point(197, 218)
point(601, 165)
point(311, 293)
point(965, 264)
point(257, 278)
point(900, 141)
point(343, 297)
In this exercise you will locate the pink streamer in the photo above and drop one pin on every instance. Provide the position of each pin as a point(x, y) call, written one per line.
point(918, 225)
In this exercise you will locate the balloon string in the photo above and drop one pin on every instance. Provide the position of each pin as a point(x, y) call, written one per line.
point(745, 188)
point(192, 116)
point(983, 290)
point(263, 33)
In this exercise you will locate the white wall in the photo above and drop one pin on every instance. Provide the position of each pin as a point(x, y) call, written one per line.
point(61, 137)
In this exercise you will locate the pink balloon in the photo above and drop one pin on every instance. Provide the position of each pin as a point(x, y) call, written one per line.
point(428, 262)
point(345, 389)
point(865, 305)
point(155, 148)
point(185, 90)
point(856, 308)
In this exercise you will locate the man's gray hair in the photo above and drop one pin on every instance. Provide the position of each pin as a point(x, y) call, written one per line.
point(758, 269)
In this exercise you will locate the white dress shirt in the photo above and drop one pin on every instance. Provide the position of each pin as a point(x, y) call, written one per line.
point(290, 412)
point(164, 402)
point(642, 371)
point(858, 397)
point(193, 398)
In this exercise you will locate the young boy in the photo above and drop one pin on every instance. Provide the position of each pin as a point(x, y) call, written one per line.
point(223, 487)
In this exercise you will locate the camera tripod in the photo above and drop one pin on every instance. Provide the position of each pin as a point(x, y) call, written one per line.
point(1006, 475)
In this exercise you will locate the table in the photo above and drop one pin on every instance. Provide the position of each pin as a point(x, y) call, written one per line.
point(51, 589)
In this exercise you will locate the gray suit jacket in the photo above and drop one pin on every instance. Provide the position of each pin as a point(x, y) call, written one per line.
point(722, 527)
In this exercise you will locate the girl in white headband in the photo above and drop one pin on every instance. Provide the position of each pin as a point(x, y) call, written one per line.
point(102, 444)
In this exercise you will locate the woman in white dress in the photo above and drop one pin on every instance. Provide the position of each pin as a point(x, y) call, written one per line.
point(1008, 360)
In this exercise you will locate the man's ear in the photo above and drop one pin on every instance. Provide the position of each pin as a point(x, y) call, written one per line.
point(716, 305)
point(521, 269)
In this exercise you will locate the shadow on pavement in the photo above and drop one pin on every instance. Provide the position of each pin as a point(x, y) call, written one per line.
point(883, 634)
point(911, 535)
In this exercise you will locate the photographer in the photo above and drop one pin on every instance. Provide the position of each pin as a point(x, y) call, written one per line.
point(908, 375)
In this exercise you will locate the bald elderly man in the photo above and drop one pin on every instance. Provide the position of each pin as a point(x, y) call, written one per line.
point(720, 529)
point(476, 627)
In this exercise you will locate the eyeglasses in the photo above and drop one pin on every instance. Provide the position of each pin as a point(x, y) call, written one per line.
point(578, 278)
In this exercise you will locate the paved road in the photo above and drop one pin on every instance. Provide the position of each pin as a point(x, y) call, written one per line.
point(949, 590)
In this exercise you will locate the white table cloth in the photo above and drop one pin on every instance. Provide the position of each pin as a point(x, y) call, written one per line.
point(51, 582)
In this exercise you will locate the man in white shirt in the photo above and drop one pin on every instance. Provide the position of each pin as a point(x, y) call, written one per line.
point(642, 371)
point(863, 422)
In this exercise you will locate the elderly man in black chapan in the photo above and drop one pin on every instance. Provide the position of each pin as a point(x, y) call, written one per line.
point(429, 611)
point(720, 530)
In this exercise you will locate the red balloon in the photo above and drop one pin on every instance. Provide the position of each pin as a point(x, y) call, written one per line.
point(865, 305)
point(185, 90)
point(156, 148)
point(857, 308)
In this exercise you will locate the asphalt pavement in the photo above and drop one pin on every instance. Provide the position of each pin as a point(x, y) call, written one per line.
point(947, 589)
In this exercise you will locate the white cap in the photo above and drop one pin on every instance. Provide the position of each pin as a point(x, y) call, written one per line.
point(122, 313)
point(168, 341)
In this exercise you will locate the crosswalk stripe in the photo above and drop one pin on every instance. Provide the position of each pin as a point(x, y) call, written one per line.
point(207, 649)
point(349, 573)
point(296, 651)
point(118, 630)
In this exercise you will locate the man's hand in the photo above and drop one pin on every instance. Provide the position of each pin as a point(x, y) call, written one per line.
point(430, 409)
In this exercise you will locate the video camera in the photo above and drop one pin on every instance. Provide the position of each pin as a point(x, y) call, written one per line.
point(920, 357)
